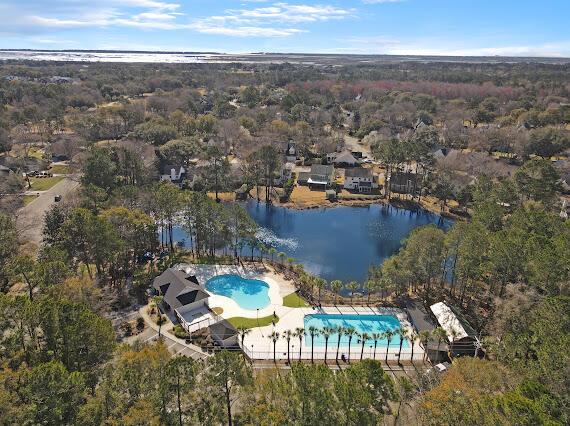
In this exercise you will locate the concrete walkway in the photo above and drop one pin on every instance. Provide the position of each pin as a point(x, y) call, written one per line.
point(171, 340)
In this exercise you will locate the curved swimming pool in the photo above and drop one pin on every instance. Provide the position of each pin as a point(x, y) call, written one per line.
point(247, 293)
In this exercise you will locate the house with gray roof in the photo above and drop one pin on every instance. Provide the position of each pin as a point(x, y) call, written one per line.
point(360, 179)
point(321, 176)
point(180, 292)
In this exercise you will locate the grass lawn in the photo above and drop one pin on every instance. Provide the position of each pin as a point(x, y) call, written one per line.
point(42, 184)
point(293, 300)
point(29, 198)
point(252, 322)
point(59, 169)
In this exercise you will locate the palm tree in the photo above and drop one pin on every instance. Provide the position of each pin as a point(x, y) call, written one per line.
point(272, 252)
point(262, 250)
point(364, 337)
point(336, 285)
point(350, 332)
point(370, 286)
point(326, 332)
point(441, 335)
point(313, 331)
point(281, 256)
point(299, 333)
point(400, 332)
point(320, 283)
point(340, 331)
point(376, 337)
point(352, 286)
point(287, 334)
point(424, 337)
point(242, 331)
point(388, 335)
point(274, 336)
point(412, 338)
point(290, 261)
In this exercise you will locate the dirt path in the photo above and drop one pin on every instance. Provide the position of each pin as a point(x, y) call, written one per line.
point(30, 218)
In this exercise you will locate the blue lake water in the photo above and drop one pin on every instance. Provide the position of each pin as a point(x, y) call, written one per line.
point(341, 242)
point(361, 323)
point(248, 294)
point(336, 243)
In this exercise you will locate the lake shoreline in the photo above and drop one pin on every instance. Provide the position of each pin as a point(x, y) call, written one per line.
point(397, 203)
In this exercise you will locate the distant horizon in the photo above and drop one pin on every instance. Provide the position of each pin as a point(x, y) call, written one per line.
point(260, 53)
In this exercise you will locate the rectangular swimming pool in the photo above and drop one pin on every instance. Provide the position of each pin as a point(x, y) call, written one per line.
point(361, 323)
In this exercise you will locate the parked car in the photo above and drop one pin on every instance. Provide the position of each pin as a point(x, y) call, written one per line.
point(32, 173)
point(57, 198)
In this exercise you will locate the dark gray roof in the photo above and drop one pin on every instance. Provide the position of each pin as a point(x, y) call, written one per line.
point(222, 330)
point(178, 289)
point(360, 172)
point(303, 176)
point(422, 320)
point(322, 170)
point(191, 296)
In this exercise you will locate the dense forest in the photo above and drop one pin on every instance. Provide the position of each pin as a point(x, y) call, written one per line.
point(488, 144)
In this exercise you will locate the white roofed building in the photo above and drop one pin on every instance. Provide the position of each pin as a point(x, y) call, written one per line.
point(460, 335)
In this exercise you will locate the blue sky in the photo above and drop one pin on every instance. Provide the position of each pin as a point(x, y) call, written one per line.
point(438, 27)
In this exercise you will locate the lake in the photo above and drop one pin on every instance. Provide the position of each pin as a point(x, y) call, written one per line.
point(340, 242)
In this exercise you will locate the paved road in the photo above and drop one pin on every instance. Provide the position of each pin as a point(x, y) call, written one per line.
point(31, 217)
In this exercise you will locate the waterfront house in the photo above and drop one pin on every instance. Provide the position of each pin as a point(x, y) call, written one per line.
point(284, 174)
point(321, 176)
point(404, 182)
point(180, 292)
point(360, 180)
point(461, 336)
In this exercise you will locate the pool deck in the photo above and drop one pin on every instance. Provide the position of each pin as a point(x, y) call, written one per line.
point(258, 345)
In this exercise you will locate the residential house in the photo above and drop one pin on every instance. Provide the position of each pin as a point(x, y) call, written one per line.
point(291, 153)
point(321, 176)
point(285, 174)
point(342, 159)
point(173, 173)
point(461, 336)
point(359, 179)
point(404, 182)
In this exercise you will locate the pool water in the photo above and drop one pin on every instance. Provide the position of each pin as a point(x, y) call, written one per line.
point(361, 323)
point(247, 293)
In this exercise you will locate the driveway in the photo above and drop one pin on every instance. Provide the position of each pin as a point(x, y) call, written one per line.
point(30, 218)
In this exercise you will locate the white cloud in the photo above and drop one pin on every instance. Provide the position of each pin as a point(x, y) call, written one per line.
point(271, 20)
